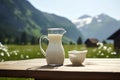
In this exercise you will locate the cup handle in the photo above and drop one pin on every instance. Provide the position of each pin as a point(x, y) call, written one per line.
point(40, 44)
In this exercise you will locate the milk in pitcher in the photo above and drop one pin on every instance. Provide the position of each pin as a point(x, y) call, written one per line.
point(55, 51)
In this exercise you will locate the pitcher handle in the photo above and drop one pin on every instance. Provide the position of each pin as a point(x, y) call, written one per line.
point(40, 44)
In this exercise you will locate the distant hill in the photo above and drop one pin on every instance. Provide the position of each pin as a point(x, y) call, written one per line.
point(100, 26)
point(18, 16)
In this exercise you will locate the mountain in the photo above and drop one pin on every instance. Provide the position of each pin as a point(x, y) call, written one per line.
point(100, 26)
point(83, 20)
point(84, 16)
point(18, 16)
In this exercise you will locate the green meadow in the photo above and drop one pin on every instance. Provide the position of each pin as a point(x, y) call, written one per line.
point(22, 52)
point(18, 52)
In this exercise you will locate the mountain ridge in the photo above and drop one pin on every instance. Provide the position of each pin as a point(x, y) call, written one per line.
point(100, 27)
point(84, 16)
point(18, 16)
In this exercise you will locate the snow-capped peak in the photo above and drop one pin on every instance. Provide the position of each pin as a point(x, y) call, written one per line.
point(85, 20)
point(98, 18)
point(80, 22)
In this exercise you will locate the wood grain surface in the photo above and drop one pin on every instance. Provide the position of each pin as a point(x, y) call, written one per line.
point(92, 69)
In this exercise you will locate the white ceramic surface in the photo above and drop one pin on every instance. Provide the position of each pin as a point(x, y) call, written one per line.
point(77, 57)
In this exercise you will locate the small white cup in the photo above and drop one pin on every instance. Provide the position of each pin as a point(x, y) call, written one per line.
point(77, 57)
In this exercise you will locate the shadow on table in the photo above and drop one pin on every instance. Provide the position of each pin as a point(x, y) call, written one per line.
point(55, 67)
point(80, 65)
point(70, 65)
point(43, 67)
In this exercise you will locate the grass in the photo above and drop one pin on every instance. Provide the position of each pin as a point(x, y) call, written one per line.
point(18, 52)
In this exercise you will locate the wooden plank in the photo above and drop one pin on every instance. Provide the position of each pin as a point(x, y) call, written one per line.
point(94, 65)
point(61, 75)
point(36, 68)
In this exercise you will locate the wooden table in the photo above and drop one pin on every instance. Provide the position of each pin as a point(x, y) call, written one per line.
point(92, 69)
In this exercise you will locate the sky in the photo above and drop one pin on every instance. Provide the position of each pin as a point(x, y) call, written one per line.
point(73, 9)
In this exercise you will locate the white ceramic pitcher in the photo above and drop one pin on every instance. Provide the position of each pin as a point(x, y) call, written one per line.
point(55, 52)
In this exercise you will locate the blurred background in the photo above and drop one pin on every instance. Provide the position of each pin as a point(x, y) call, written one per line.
point(87, 23)
point(90, 24)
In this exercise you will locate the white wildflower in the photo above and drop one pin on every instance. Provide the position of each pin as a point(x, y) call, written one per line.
point(109, 48)
point(15, 52)
point(27, 56)
point(5, 49)
point(105, 47)
point(102, 54)
point(8, 54)
point(114, 53)
point(107, 56)
point(1, 44)
point(2, 54)
point(100, 44)
point(99, 51)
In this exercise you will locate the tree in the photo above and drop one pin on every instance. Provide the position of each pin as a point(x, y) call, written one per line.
point(24, 39)
point(79, 41)
point(2, 38)
point(10, 39)
point(17, 40)
point(104, 42)
point(33, 40)
point(71, 43)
